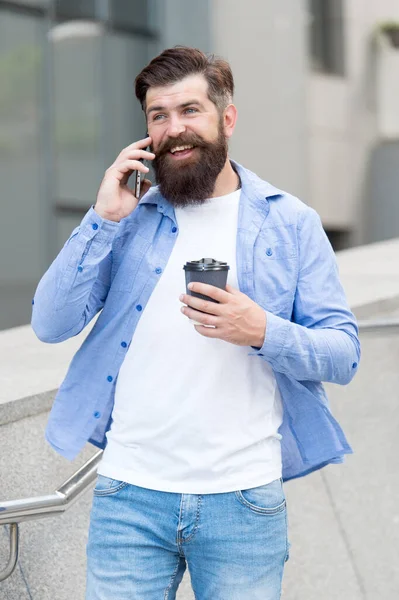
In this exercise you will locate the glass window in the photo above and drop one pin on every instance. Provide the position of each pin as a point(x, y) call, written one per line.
point(132, 14)
point(327, 36)
point(66, 222)
point(22, 223)
point(75, 9)
point(123, 116)
point(38, 3)
point(77, 98)
point(97, 115)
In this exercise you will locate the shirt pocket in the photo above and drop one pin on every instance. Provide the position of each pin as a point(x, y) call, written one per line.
point(128, 253)
point(275, 272)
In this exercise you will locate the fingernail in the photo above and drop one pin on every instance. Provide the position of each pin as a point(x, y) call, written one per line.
point(190, 286)
point(181, 296)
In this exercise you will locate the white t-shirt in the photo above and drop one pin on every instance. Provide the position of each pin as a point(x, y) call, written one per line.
point(193, 415)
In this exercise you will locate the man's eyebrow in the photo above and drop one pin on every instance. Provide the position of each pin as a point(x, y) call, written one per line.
point(184, 105)
point(155, 109)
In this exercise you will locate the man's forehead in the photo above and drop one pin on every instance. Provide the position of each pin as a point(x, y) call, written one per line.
point(193, 86)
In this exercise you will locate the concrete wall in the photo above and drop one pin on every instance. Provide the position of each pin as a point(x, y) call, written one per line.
point(383, 205)
point(311, 133)
point(343, 125)
point(266, 45)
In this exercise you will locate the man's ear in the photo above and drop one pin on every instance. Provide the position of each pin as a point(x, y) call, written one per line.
point(229, 120)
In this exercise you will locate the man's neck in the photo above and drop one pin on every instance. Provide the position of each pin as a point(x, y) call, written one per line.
point(227, 181)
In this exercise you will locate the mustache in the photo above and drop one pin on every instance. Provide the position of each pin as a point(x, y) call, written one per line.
point(192, 139)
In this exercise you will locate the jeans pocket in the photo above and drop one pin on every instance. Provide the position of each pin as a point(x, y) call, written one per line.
point(106, 486)
point(268, 499)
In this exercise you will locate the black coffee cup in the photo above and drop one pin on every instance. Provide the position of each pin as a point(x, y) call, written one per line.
point(207, 270)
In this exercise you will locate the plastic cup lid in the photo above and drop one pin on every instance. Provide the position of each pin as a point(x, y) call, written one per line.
point(206, 264)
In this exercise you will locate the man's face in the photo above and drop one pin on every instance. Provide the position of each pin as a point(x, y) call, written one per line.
point(188, 140)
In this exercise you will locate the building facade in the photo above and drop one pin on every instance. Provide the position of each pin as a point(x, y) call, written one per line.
point(308, 122)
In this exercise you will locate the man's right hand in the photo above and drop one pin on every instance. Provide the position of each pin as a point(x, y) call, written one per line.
point(115, 200)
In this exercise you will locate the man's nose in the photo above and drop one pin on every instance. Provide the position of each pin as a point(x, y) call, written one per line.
point(176, 127)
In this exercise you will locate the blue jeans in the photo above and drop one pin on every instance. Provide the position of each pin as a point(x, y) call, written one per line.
point(140, 541)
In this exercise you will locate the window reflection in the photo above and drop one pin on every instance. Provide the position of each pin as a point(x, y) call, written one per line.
point(21, 164)
point(67, 108)
point(75, 9)
point(122, 112)
point(131, 13)
point(327, 36)
point(77, 112)
point(38, 3)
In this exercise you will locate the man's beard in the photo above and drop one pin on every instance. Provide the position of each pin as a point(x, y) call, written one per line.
point(190, 181)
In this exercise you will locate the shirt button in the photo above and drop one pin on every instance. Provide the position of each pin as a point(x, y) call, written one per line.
point(124, 345)
point(139, 307)
point(33, 301)
point(109, 378)
point(354, 365)
point(260, 354)
point(158, 270)
point(174, 229)
point(97, 414)
point(269, 252)
point(80, 268)
point(95, 226)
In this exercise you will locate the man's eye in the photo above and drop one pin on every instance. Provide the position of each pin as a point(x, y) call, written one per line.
point(157, 117)
point(194, 110)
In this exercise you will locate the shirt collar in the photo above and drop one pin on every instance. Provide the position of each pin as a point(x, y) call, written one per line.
point(154, 196)
point(253, 186)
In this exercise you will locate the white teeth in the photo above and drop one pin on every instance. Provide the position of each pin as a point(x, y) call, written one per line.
point(180, 148)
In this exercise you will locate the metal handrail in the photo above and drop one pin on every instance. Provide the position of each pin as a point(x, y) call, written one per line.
point(13, 559)
point(16, 511)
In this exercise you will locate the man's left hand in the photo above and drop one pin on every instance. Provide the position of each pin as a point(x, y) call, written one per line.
point(236, 319)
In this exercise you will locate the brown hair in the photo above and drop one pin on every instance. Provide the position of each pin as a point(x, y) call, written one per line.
point(176, 63)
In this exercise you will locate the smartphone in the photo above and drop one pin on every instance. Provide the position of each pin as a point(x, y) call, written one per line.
point(137, 183)
point(139, 176)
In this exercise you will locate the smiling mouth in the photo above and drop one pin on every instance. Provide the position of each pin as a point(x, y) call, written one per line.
point(182, 151)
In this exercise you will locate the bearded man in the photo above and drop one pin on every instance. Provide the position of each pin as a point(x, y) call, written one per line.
point(203, 408)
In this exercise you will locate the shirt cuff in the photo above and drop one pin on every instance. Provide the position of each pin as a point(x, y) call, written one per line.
point(93, 224)
point(276, 334)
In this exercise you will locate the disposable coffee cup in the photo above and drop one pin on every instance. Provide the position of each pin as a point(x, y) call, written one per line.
point(207, 270)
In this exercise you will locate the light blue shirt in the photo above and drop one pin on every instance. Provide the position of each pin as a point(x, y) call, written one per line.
point(285, 263)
